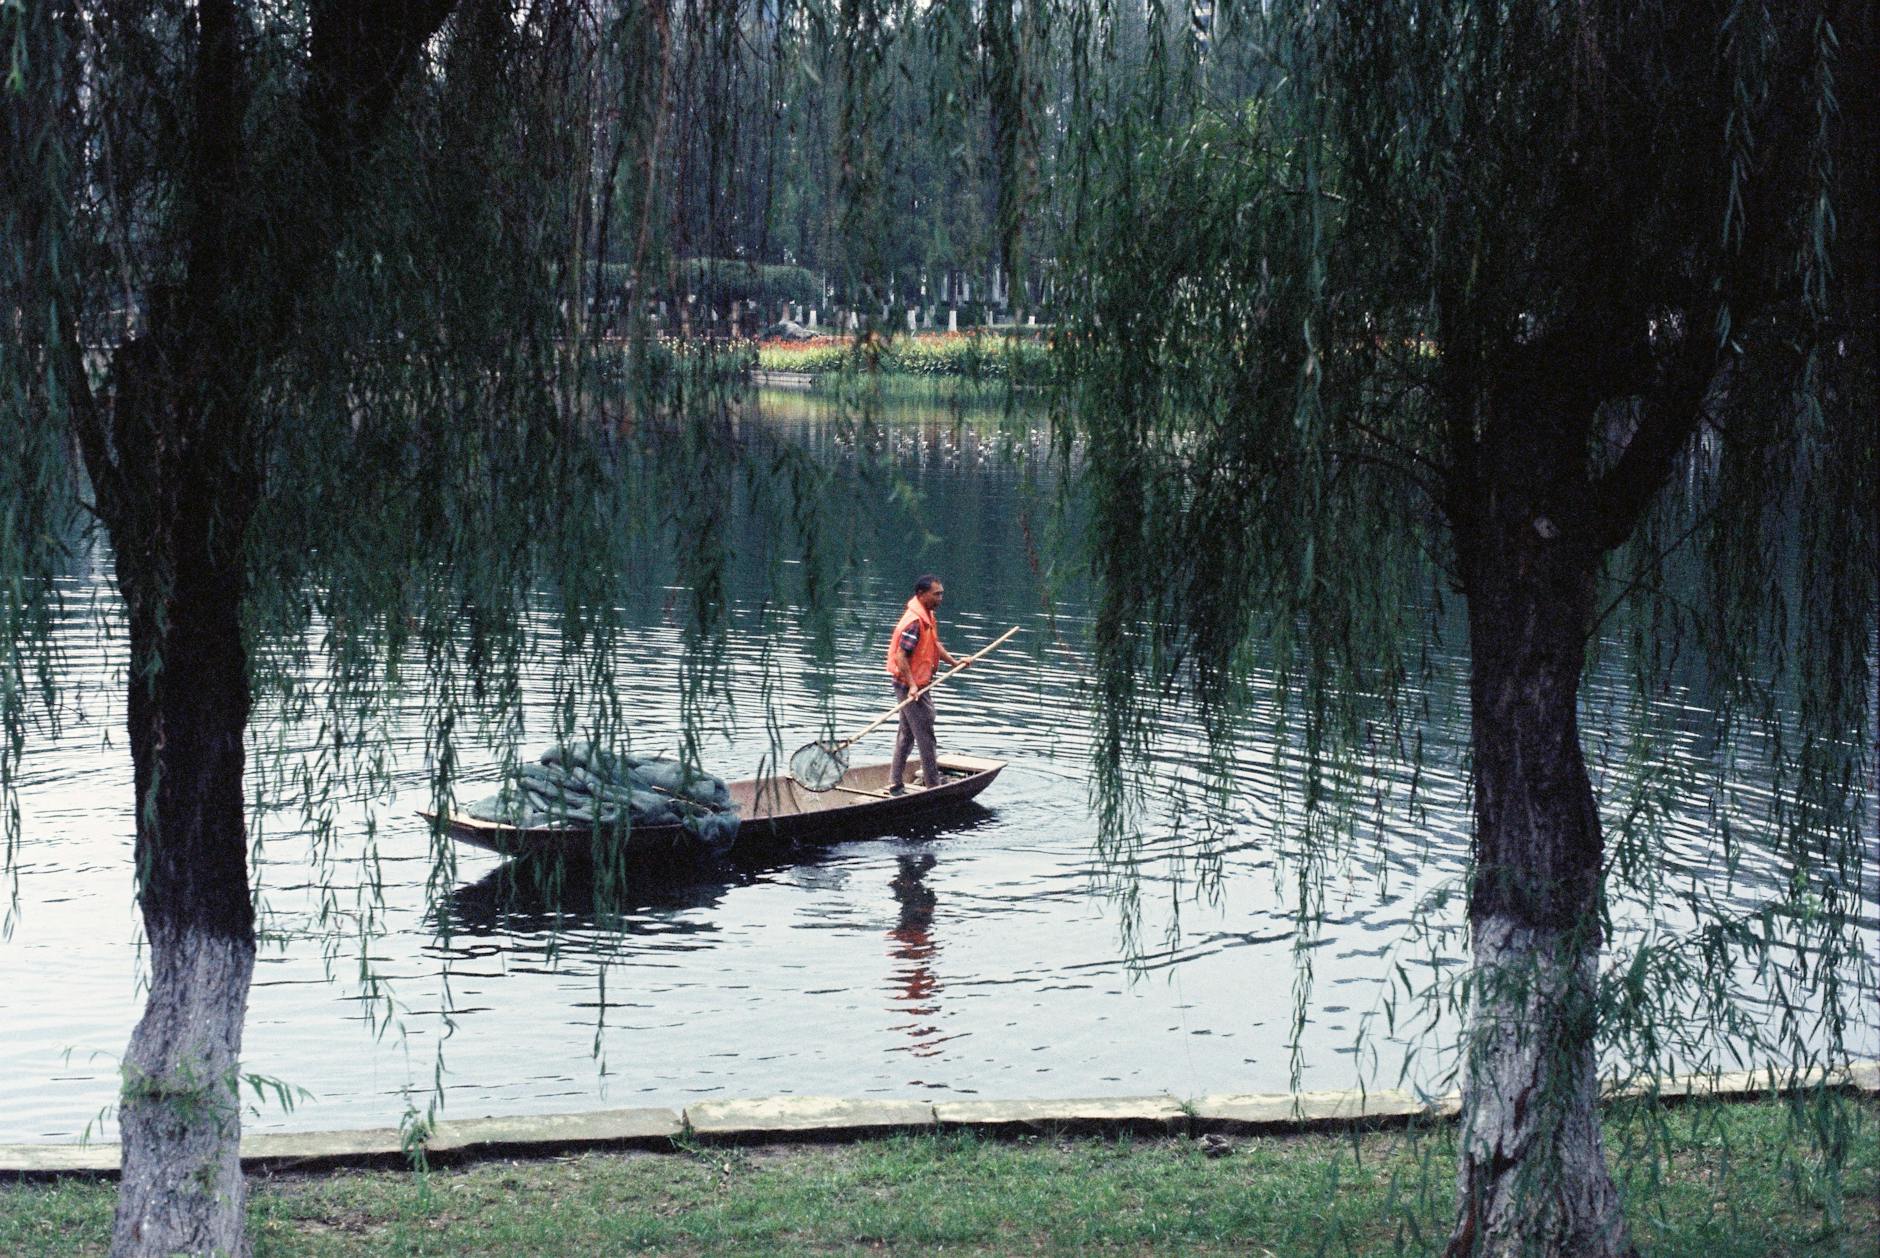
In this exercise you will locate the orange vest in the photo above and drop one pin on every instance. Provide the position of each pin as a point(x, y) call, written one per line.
point(926, 655)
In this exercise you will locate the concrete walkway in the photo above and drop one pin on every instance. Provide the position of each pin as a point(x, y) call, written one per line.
point(797, 1119)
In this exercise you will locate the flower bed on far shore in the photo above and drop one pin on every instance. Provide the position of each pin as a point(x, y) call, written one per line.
point(976, 355)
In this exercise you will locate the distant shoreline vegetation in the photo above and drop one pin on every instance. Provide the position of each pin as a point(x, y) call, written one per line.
point(1022, 356)
point(984, 355)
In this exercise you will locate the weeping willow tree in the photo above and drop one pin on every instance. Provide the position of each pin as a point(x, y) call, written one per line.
point(296, 303)
point(1540, 301)
point(292, 295)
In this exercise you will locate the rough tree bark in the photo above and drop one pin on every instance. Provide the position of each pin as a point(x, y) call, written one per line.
point(1532, 1175)
point(181, 1190)
point(177, 513)
point(177, 503)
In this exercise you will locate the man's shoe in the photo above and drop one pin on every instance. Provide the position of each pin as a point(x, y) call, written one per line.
point(897, 789)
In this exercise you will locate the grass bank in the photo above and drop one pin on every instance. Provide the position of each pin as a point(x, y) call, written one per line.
point(1725, 1183)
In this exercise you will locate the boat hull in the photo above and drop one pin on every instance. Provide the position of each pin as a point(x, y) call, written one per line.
point(774, 812)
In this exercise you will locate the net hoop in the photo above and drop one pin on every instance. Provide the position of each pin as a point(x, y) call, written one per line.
point(818, 766)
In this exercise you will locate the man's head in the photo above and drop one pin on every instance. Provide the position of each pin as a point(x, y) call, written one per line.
point(928, 590)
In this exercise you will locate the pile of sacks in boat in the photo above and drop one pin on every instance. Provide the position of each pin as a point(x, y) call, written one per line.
point(578, 784)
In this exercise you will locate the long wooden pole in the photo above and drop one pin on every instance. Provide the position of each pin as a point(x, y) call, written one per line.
point(915, 694)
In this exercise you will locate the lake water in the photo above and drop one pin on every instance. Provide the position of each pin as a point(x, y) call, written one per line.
point(989, 957)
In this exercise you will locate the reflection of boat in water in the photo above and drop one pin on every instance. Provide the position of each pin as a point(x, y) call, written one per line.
point(534, 898)
point(774, 811)
point(548, 897)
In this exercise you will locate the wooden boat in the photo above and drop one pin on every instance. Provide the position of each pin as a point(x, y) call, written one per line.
point(772, 811)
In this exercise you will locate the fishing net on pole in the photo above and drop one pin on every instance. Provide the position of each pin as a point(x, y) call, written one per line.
point(819, 765)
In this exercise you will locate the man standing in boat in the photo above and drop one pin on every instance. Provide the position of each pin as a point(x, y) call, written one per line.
point(914, 651)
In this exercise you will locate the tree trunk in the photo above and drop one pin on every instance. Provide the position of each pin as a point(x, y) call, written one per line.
point(179, 1113)
point(182, 1190)
point(1532, 1178)
point(177, 535)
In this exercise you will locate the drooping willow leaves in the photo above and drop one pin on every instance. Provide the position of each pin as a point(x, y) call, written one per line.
point(1305, 310)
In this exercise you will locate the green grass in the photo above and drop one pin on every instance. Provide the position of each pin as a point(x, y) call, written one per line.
point(961, 1194)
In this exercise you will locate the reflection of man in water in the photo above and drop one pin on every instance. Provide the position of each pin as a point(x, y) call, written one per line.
point(914, 651)
point(913, 941)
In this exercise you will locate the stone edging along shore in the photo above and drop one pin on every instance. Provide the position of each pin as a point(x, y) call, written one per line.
point(804, 1119)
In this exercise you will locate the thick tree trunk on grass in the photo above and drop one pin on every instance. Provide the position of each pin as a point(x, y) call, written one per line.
point(1532, 1178)
point(179, 1114)
point(177, 503)
point(182, 1190)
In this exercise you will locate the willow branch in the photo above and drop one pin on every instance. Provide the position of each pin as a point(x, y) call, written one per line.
point(649, 162)
point(88, 423)
point(1621, 496)
point(1346, 456)
point(1403, 448)
point(1638, 583)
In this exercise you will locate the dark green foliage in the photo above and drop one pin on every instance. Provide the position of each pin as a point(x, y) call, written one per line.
point(1248, 520)
point(404, 459)
point(727, 279)
point(1576, 303)
point(39, 273)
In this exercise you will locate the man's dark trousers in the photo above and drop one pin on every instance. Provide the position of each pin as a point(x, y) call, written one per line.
point(916, 729)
